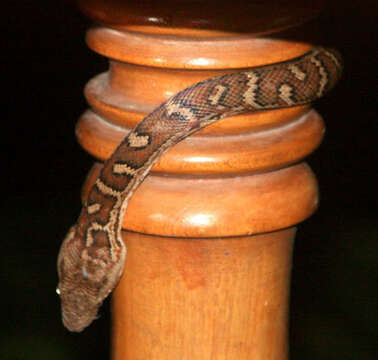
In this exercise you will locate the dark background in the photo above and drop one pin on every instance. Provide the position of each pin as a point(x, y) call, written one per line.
point(45, 64)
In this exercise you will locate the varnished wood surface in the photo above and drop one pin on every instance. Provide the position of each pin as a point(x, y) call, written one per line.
point(232, 154)
point(210, 231)
point(226, 206)
point(195, 53)
point(241, 145)
point(223, 299)
point(204, 18)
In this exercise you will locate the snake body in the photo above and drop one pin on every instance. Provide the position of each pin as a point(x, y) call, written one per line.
point(92, 256)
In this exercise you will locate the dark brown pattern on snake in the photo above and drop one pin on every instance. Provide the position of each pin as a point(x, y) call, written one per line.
point(92, 256)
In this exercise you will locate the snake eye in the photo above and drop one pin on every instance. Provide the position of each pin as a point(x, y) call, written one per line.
point(57, 291)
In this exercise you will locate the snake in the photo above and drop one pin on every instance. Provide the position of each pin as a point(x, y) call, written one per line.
point(92, 256)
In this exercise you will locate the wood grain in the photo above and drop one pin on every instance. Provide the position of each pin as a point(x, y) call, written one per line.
point(203, 298)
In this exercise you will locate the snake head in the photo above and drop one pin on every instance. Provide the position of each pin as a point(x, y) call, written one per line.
point(86, 277)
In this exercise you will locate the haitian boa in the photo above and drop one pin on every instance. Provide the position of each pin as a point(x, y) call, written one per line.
point(92, 256)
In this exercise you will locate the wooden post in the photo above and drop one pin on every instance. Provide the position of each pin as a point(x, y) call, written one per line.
point(210, 231)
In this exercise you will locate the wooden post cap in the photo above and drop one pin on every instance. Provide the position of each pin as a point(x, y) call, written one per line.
point(150, 60)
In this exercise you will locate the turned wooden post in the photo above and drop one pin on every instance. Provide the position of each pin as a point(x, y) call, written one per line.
point(210, 231)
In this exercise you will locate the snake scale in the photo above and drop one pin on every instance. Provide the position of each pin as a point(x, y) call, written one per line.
point(92, 256)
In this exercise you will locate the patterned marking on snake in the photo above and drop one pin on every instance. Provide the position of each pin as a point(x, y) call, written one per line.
point(123, 168)
point(215, 97)
point(138, 140)
point(250, 96)
point(286, 92)
point(92, 256)
point(182, 113)
point(298, 73)
point(93, 208)
point(322, 72)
